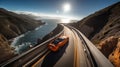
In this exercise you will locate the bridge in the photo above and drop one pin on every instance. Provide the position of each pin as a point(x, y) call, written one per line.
point(78, 52)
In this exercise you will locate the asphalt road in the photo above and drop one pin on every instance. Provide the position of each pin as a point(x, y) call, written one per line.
point(99, 58)
point(75, 53)
point(71, 55)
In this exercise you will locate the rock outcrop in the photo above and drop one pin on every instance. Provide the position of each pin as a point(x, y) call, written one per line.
point(5, 49)
point(114, 57)
point(108, 45)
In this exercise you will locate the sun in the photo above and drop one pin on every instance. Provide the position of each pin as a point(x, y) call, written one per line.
point(66, 7)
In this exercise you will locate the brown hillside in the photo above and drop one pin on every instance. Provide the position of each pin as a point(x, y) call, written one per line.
point(12, 24)
point(101, 24)
point(103, 29)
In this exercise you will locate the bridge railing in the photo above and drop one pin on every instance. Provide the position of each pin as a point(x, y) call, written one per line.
point(97, 57)
point(32, 49)
point(100, 59)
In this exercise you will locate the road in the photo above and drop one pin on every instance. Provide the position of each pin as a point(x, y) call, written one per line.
point(78, 52)
point(71, 55)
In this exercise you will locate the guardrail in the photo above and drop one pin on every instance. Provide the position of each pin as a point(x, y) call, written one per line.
point(100, 59)
point(97, 57)
point(5, 64)
point(87, 51)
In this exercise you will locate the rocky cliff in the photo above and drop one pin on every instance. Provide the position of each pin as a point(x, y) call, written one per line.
point(110, 47)
point(12, 25)
point(5, 50)
point(114, 57)
point(103, 29)
point(101, 24)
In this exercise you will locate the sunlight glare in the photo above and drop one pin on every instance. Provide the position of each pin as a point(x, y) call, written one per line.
point(65, 20)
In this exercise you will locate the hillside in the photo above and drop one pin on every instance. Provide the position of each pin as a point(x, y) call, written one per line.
point(12, 25)
point(99, 27)
point(100, 23)
point(15, 24)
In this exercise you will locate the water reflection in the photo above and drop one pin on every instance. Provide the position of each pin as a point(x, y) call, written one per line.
point(29, 39)
point(65, 20)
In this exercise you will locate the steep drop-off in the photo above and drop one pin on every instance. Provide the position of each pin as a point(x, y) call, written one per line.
point(12, 25)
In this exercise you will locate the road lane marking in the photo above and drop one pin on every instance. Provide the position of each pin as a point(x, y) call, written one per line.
point(75, 49)
point(82, 56)
point(79, 52)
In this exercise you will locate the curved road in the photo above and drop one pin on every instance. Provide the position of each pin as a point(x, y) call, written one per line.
point(71, 55)
point(78, 52)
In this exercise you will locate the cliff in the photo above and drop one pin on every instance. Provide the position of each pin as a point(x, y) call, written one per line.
point(12, 25)
point(101, 24)
point(5, 50)
point(103, 29)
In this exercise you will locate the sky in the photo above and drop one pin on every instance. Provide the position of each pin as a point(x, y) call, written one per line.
point(78, 8)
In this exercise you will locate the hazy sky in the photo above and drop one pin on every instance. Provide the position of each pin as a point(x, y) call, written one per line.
point(79, 8)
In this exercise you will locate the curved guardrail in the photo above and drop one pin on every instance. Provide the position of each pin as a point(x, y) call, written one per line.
point(98, 59)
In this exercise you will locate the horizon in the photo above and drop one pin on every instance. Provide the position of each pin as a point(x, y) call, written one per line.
point(62, 8)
